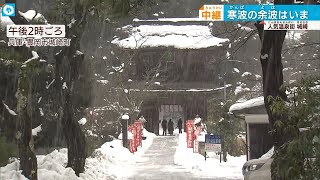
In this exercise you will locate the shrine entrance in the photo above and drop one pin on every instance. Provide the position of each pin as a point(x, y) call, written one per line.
point(173, 112)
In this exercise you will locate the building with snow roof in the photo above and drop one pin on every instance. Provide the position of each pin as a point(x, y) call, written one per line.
point(258, 139)
point(189, 56)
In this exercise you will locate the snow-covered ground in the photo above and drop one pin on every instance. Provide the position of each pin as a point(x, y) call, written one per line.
point(107, 162)
point(232, 169)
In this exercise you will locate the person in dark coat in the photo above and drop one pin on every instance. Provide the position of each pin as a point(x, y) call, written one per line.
point(180, 126)
point(164, 127)
point(170, 127)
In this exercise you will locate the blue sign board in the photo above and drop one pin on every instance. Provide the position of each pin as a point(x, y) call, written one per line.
point(212, 139)
point(234, 12)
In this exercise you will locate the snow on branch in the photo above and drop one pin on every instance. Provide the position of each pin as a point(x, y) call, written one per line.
point(34, 56)
point(36, 130)
point(82, 121)
point(9, 110)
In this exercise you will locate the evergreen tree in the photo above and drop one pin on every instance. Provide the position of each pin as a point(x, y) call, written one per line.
point(300, 121)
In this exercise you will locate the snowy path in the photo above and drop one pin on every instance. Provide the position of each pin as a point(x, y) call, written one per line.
point(158, 162)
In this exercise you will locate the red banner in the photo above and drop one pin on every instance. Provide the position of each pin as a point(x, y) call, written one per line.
point(132, 141)
point(196, 143)
point(138, 126)
point(189, 129)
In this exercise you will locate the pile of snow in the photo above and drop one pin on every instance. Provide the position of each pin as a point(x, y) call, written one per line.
point(110, 161)
point(212, 168)
point(259, 101)
point(181, 37)
point(130, 135)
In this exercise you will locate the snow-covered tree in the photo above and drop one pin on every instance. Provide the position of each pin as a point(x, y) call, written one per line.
point(300, 154)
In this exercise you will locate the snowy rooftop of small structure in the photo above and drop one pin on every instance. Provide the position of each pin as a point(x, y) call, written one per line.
point(259, 101)
point(184, 36)
point(183, 90)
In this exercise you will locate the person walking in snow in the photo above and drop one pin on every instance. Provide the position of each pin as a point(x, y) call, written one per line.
point(170, 127)
point(164, 127)
point(180, 126)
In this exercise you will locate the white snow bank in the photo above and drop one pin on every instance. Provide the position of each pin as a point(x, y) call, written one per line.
point(181, 37)
point(212, 168)
point(110, 161)
point(50, 167)
point(36, 130)
point(259, 101)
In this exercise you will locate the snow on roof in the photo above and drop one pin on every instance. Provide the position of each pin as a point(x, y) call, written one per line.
point(182, 90)
point(180, 37)
point(259, 101)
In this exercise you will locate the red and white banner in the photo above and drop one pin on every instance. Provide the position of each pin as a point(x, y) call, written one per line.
point(196, 143)
point(138, 126)
point(190, 133)
point(132, 142)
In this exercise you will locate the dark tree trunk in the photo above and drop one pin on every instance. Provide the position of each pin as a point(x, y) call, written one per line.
point(272, 42)
point(75, 138)
point(69, 63)
point(28, 160)
point(272, 67)
point(68, 67)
